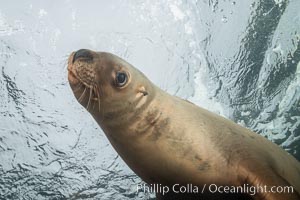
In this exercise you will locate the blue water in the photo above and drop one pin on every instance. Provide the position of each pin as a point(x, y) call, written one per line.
point(238, 59)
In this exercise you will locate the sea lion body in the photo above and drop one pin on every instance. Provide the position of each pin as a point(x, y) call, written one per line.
point(167, 140)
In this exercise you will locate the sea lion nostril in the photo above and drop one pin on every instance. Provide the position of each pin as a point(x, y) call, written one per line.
point(82, 53)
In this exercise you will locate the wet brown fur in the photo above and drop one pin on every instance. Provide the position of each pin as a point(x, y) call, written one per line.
point(167, 140)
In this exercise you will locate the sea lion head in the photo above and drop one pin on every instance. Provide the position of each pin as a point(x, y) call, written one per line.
point(106, 85)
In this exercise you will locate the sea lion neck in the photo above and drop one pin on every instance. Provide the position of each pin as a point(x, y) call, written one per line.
point(127, 111)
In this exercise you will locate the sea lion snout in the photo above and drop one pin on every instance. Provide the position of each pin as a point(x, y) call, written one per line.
point(84, 54)
point(81, 66)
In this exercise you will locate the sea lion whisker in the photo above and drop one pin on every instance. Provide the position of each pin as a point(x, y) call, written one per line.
point(89, 101)
point(97, 93)
point(100, 89)
point(94, 98)
point(82, 95)
point(98, 96)
point(78, 87)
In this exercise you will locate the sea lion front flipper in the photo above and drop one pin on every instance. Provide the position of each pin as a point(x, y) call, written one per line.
point(267, 183)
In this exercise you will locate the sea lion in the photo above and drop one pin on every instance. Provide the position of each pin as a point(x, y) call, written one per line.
point(169, 141)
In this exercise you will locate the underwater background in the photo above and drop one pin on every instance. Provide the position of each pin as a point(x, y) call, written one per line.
point(240, 59)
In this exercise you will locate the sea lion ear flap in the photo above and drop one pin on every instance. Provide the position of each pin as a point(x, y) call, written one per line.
point(142, 90)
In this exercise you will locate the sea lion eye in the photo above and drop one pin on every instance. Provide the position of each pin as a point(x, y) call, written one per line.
point(121, 79)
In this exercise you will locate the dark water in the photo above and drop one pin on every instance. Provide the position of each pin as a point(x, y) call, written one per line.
point(239, 59)
point(257, 70)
